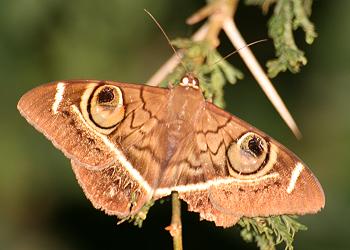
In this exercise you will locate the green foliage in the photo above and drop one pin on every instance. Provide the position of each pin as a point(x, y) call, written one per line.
point(268, 232)
point(288, 16)
point(137, 219)
point(207, 65)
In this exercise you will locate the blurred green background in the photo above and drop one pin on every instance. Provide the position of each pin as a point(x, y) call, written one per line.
point(41, 204)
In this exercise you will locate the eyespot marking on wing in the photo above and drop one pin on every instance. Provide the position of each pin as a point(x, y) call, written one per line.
point(252, 155)
point(102, 107)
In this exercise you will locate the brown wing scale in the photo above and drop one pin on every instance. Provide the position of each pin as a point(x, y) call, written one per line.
point(64, 128)
point(112, 189)
point(105, 160)
point(140, 134)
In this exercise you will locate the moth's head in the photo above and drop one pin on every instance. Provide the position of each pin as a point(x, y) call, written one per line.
point(189, 81)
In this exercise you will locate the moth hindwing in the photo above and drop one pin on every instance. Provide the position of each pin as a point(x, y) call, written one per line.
point(131, 143)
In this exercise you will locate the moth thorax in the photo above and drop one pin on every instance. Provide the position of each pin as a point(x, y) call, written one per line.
point(249, 154)
point(106, 106)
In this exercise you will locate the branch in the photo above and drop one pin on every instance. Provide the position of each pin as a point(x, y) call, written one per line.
point(248, 57)
point(173, 61)
point(220, 13)
point(175, 228)
point(288, 15)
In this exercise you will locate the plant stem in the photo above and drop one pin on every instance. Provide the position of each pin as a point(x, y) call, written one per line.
point(170, 65)
point(220, 16)
point(175, 228)
point(253, 65)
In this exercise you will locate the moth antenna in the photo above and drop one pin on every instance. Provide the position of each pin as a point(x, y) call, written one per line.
point(167, 38)
point(237, 50)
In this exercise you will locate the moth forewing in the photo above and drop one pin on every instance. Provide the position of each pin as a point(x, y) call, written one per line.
point(132, 143)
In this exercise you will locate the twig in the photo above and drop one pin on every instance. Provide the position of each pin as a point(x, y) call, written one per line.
point(175, 228)
point(164, 70)
point(216, 12)
point(173, 61)
point(253, 65)
point(220, 14)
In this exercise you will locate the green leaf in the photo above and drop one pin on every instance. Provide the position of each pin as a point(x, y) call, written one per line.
point(302, 12)
point(231, 73)
point(288, 16)
point(281, 31)
point(208, 65)
point(137, 219)
point(268, 232)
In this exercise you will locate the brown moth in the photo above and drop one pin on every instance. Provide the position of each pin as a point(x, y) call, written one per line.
point(131, 143)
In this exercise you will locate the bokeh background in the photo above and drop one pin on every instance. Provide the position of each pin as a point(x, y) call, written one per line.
point(41, 204)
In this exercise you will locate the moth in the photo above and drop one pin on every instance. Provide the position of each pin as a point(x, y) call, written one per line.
point(129, 144)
